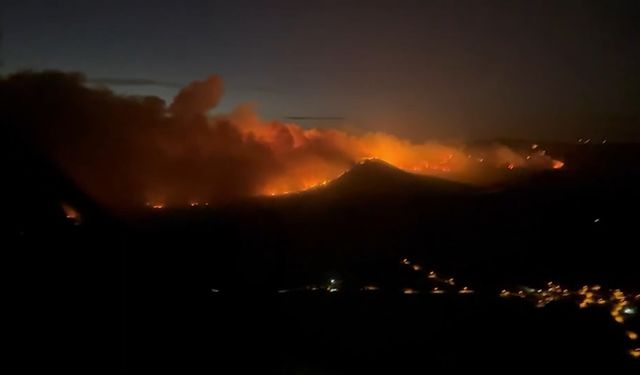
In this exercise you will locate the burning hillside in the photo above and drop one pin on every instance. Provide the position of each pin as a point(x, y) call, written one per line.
point(125, 151)
point(378, 178)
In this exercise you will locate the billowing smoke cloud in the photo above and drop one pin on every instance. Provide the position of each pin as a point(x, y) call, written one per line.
point(126, 151)
point(198, 97)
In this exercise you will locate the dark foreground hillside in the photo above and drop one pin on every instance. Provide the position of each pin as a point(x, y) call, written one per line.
point(88, 286)
point(377, 333)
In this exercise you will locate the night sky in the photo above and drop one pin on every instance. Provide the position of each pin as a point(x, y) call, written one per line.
point(418, 69)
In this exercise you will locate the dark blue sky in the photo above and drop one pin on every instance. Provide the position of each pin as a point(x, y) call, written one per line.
point(419, 69)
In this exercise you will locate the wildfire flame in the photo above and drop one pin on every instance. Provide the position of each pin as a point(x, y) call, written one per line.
point(302, 158)
point(307, 171)
point(125, 150)
point(557, 164)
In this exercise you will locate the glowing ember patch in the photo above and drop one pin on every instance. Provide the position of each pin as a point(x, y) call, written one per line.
point(632, 335)
point(511, 166)
point(557, 164)
point(71, 213)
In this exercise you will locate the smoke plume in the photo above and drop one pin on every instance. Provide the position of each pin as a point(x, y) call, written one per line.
point(125, 151)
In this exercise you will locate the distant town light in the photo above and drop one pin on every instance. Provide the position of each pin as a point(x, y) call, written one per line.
point(629, 310)
point(370, 288)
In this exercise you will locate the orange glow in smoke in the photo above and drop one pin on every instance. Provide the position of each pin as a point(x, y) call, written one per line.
point(307, 171)
point(310, 158)
point(298, 159)
point(186, 154)
point(557, 164)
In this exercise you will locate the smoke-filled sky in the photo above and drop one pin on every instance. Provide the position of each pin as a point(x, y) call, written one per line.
point(417, 69)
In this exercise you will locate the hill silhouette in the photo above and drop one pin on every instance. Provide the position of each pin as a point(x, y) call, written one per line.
point(375, 179)
point(377, 176)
